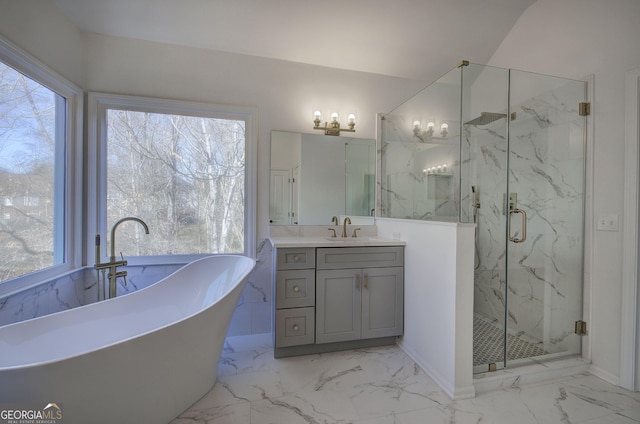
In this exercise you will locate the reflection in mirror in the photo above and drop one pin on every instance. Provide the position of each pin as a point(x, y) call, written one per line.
point(315, 177)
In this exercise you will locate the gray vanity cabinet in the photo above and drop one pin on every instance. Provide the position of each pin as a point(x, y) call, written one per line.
point(334, 298)
point(359, 293)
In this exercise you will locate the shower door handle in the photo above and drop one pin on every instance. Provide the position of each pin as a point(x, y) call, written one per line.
point(524, 226)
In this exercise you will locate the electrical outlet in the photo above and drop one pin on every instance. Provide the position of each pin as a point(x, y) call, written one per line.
point(607, 222)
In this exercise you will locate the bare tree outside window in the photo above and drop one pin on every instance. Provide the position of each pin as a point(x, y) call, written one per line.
point(28, 116)
point(183, 175)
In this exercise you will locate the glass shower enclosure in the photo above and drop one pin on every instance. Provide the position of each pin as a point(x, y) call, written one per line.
point(505, 150)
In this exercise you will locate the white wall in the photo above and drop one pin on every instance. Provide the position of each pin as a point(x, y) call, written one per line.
point(576, 38)
point(43, 31)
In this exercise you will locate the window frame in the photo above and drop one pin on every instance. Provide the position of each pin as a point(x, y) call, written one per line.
point(98, 104)
point(71, 257)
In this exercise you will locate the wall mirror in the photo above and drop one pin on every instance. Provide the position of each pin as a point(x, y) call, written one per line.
point(315, 177)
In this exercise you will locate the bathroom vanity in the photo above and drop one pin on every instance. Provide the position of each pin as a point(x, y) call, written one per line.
point(336, 294)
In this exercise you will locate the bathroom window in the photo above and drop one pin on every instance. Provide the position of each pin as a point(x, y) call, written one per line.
point(38, 116)
point(183, 168)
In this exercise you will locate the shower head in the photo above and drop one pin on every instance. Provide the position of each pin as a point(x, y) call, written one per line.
point(486, 118)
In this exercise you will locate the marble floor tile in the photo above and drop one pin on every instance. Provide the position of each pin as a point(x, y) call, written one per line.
point(246, 387)
point(237, 413)
point(323, 406)
point(611, 419)
point(633, 413)
point(384, 386)
point(330, 371)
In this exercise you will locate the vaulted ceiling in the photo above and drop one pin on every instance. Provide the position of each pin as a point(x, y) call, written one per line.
point(416, 39)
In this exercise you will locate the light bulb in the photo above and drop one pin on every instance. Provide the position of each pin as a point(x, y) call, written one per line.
point(430, 126)
point(352, 119)
point(334, 117)
point(317, 114)
point(444, 129)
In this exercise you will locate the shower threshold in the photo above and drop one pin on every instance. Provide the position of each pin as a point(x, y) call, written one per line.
point(530, 371)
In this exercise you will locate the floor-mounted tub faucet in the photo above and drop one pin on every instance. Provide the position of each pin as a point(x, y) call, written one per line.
point(113, 264)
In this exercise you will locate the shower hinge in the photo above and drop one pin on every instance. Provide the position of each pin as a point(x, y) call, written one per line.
point(581, 328)
point(584, 108)
point(493, 367)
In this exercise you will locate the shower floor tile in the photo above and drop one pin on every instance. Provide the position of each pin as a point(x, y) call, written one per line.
point(488, 342)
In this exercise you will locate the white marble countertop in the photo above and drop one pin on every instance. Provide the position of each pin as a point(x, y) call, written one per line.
point(281, 242)
point(320, 236)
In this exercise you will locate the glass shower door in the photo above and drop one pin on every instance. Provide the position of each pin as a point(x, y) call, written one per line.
point(545, 219)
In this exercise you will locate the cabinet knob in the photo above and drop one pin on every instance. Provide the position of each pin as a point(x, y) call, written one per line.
point(296, 258)
point(296, 289)
point(295, 327)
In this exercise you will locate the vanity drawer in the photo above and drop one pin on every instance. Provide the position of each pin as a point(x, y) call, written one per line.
point(298, 258)
point(360, 257)
point(295, 288)
point(295, 327)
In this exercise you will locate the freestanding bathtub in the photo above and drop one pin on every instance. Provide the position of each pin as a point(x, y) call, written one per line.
point(140, 358)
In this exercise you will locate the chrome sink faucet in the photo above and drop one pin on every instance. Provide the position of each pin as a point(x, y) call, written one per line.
point(113, 264)
point(347, 220)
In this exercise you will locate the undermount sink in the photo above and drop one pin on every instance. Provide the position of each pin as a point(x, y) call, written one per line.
point(349, 239)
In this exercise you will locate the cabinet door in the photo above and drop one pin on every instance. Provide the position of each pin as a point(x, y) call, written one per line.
point(382, 302)
point(338, 305)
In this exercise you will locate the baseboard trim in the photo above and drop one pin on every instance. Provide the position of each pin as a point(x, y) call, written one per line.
point(455, 393)
point(604, 375)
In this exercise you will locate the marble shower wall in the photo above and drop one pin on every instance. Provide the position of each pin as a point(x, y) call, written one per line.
point(546, 171)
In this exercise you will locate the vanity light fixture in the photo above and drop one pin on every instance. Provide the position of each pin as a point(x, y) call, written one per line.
point(333, 127)
point(437, 169)
point(427, 135)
